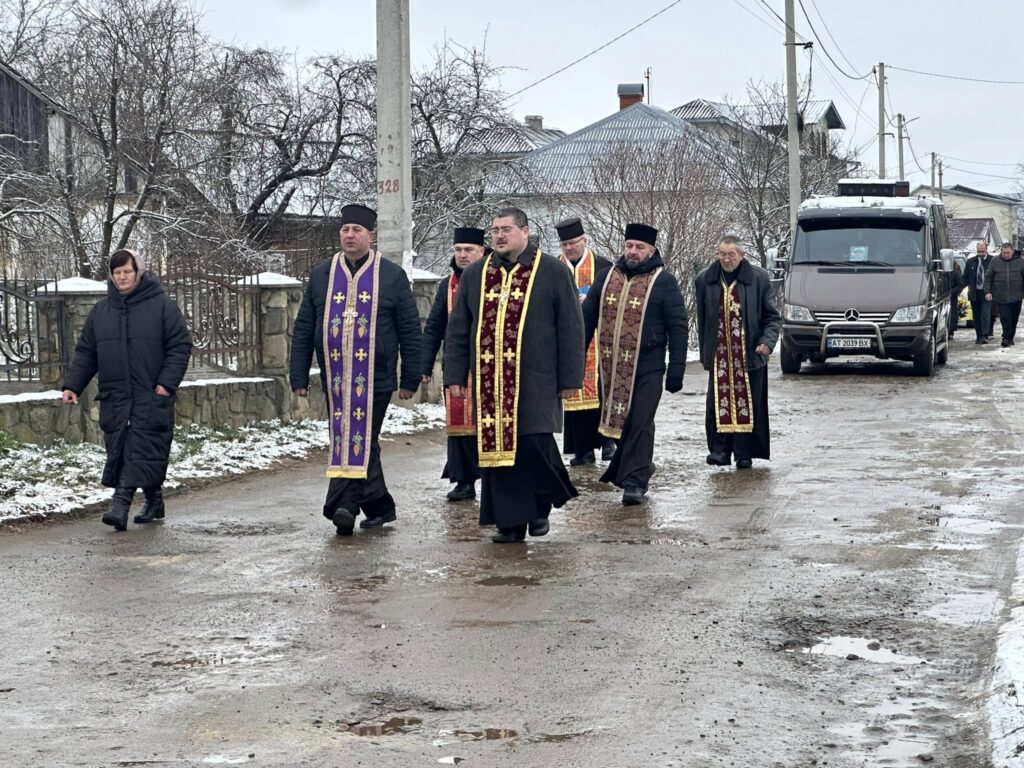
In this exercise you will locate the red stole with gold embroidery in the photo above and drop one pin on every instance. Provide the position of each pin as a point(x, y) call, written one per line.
point(733, 409)
point(459, 411)
point(504, 300)
point(585, 399)
point(623, 307)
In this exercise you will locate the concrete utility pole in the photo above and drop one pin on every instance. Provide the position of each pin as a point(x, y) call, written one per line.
point(940, 179)
point(880, 72)
point(899, 131)
point(792, 134)
point(394, 133)
point(933, 173)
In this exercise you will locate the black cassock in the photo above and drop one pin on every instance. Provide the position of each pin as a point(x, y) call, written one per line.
point(463, 464)
point(632, 464)
point(552, 361)
point(742, 445)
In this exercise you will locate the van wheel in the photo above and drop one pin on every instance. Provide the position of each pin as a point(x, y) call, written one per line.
point(942, 356)
point(789, 360)
point(924, 364)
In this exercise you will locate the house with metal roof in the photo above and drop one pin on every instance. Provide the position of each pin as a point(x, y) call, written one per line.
point(969, 203)
point(965, 234)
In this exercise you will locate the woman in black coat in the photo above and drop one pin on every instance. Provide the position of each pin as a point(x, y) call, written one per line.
point(137, 342)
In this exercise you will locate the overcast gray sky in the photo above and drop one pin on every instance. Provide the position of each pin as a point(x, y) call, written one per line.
point(709, 49)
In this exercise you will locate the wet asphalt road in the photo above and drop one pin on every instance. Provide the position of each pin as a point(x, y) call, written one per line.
point(242, 631)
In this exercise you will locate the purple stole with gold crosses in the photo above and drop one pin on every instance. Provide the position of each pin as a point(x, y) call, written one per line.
point(350, 324)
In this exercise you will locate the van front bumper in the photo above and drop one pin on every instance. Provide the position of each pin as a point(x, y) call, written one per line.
point(856, 338)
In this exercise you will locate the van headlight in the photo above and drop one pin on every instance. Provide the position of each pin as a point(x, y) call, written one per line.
point(797, 314)
point(910, 314)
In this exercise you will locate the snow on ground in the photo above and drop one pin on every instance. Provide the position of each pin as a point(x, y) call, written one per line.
point(40, 481)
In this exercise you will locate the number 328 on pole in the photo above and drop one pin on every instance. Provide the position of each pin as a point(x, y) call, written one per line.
point(388, 187)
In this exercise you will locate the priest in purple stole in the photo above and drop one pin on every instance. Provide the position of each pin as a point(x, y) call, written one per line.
point(517, 332)
point(635, 313)
point(738, 325)
point(463, 465)
point(357, 315)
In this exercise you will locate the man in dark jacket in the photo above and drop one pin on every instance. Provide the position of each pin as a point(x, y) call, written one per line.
point(981, 309)
point(1004, 284)
point(737, 327)
point(136, 341)
point(517, 328)
point(463, 465)
point(581, 434)
point(637, 312)
point(357, 314)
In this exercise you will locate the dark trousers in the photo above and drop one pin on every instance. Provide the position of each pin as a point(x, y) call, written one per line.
point(633, 463)
point(369, 494)
point(981, 310)
point(1009, 314)
point(463, 466)
point(511, 497)
point(954, 312)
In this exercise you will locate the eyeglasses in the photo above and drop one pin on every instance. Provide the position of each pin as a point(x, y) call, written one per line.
point(503, 230)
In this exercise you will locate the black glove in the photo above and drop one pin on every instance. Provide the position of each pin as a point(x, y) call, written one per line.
point(673, 384)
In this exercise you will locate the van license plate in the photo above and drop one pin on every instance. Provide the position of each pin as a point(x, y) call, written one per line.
point(849, 343)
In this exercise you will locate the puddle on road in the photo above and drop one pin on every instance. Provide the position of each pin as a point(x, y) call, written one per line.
point(396, 725)
point(249, 654)
point(509, 581)
point(225, 760)
point(484, 734)
point(239, 528)
point(868, 650)
point(968, 609)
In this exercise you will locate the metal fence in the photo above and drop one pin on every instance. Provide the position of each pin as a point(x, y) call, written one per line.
point(33, 348)
point(223, 317)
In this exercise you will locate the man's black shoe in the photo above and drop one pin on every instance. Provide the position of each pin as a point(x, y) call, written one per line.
point(510, 535)
point(631, 496)
point(582, 459)
point(1012, 342)
point(981, 341)
point(344, 522)
point(608, 450)
point(719, 459)
point(1005, 343)
point(744, 463)
point(539, 527)
point(117, 516)
point(377, 522)
point(462, 492)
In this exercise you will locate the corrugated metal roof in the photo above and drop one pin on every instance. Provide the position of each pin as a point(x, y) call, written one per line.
point(963, 233)
point(516, 140)
point(703, 110)
point(566, 164)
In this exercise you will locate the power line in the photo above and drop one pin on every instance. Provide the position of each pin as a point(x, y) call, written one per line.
point(957, 77)
point(596, 50)
point(913, 154)
point(978, 162)
point(985, 175)
point(832, 37)
point(817, 37)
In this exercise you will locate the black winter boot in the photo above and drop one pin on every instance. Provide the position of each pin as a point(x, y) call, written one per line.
point(120, 505)
point(153, 509)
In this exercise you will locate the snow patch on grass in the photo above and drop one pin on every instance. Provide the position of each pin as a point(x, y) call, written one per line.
point(40, 481)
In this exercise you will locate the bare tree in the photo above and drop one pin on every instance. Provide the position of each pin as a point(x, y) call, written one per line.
point(26, 28)
point(673, 185)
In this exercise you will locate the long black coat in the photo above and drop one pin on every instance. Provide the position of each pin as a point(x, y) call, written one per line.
point(133, 343)
point(971, 275)
point(666, 325)
point(436, 327)
point(761, 319)
point(552, 348)
point(398, 329)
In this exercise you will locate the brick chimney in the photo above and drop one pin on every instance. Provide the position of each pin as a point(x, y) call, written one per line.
point(630, 94)
point(534, 121)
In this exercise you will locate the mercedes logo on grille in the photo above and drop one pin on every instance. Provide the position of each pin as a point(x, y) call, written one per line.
point(852, 315)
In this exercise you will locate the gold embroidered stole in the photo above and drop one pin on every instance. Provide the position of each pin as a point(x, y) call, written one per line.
point(585, 399)
point(733, 410)
point(350, 327)
point(459, 411)
point(504, 300)
point(623, 307)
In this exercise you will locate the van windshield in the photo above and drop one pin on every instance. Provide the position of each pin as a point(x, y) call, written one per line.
point(894, 242)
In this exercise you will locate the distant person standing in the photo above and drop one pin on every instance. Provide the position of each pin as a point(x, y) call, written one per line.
point(981, 308)
point(463, 465)
point(1004, 284)
point(137, 342)
point(580, 435)
point(738, 326)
